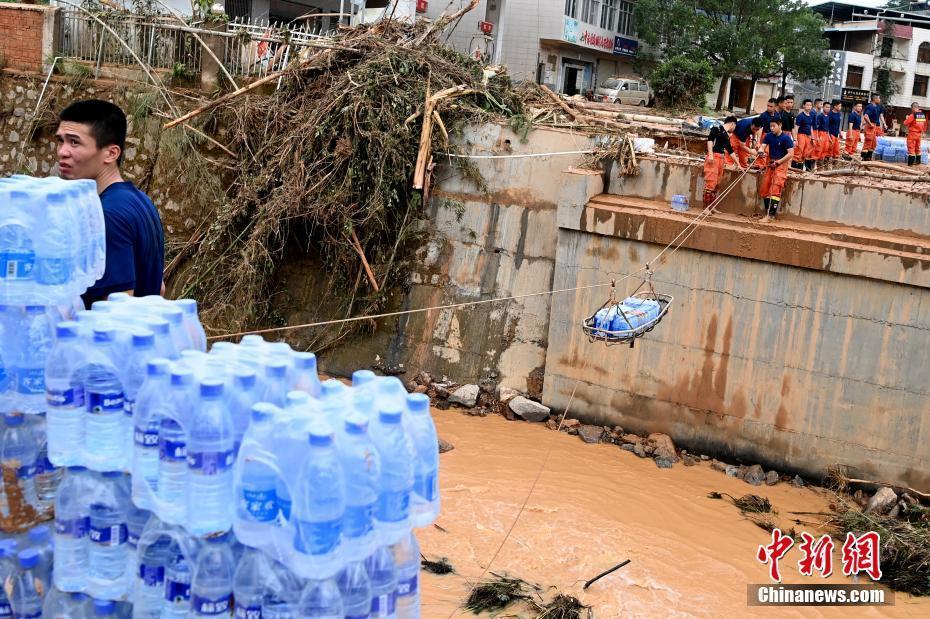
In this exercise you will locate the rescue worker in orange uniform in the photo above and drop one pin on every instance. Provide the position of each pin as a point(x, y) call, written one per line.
point(804, 143)
point(874, 120)
point(822, 133)
point(836, 122)
point(916, 123)
point(854, 132)
point(779, 149)
point(746, 138)
point(718, 147)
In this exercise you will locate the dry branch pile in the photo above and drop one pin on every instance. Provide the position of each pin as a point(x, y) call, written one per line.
point(326, 165)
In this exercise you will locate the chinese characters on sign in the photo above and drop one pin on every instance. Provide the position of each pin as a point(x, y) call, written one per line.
point(597, 38)
point(859, 554)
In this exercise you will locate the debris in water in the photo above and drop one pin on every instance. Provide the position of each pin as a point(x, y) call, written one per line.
point(496, 594)
point(605, 573)
point(563, 607)
point(748, 503)
point(440, 567)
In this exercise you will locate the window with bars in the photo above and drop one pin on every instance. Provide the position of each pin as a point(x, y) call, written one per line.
point(609, 14)
point(625, 21)
point(854, 76)
point(920, 85)
point(571, 6)
point(923, 53)
point(590, 11)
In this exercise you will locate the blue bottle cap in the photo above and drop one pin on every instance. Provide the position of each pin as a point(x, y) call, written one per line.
point(103, 608)
point(297, 398)
point(245, 378)
point(188, 306)
point(304, 360)
point(391, 386)
point(85, 316)
point(157, 367)
point(356, 423)
point(7, 548)
point(181, 375)
point(220, 347)
point(35, 309)
point(159, 326)
point(253, 339)
point(118, 297)
point(101, 306)
point(112, 474)
point(211, 388)
point(39, 534)
point(13, 419)
point(360, 377)
point(321, 436)
point(143, 338)
point(276, 368)
point(19, 195)
point(77, 596)
point(173, 315)
point(331, 387)
point(104, 333)
point(77, 469)
point(263, 411)
point(66, 330)
point(28, 558)
point(418, 402)
point(281, 348)
point(390, 414)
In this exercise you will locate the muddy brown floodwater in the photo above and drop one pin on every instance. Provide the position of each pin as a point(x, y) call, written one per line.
point(596, 505)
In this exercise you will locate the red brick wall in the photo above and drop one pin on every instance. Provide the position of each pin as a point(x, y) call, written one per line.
point(21, 32)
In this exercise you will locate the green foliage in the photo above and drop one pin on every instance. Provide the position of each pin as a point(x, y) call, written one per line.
point(885, 85)
point(682, 82)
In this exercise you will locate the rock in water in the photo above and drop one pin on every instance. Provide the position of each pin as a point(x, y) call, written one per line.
point(664, 463)
point(528, 409)
point(506, 394)
point(771, 478)
point(639, 450)
point(882, 501)
point(466, 395)
point(731, 471)
point(445, 446)
point(798, 482)
point(755, 475)
point(591, 434)
point(664, 446)
point(717, 465)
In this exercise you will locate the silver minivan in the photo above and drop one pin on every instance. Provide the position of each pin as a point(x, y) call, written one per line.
point(628, 90)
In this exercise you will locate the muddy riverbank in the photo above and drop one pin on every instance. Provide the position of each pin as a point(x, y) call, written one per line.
point(596, 505)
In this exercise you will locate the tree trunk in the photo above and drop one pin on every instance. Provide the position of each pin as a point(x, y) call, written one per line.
point(723, 88)
point(784, 82)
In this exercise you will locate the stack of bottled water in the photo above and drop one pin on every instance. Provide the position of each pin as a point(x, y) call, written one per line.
point(242, 446)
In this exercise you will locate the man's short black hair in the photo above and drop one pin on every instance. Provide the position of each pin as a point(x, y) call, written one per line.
point(805, 102)
point(107, 122)
point(776, 120)
point(758, 122)
point(773, 100)
point(788, 97)
point(729, 119)
point(779, 100)
point(818, 100)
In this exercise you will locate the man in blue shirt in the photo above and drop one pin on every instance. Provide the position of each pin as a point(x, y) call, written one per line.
point(779, 148)
point(834, 123)
point(822, 133)
point(873, 120)
point(91, 137)
point(854, 131)
point(804, 145)
point(746, 138)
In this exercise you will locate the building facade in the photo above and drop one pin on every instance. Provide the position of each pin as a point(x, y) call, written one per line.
point(569, 45)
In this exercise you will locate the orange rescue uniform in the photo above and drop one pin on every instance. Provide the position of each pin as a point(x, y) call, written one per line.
point(852, 141)
point(916, 123)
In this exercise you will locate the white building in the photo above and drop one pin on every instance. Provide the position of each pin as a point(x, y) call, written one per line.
point(869, 44)
point(569, 45)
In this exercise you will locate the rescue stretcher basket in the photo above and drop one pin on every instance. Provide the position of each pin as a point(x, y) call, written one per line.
point(612, 338)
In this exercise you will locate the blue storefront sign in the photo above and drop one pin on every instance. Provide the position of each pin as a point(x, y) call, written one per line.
point(625, 47)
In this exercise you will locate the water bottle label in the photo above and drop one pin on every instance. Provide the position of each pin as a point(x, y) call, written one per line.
point(211, 462)
point(206, 606)
point(104, 403)
point(37, 615)
point(177, 591)
point(393, 506)
point(110, 535)
point(365, 616)
point(152, 575)
point(27, 471)
point(284, 505)
point(133, 539)
point(18, 265)
point(129, 406)
point(383, 605)
point(146, 438)
point(75, 528)
point(64, 398)
point(359, 520)
point(408, 586)
point(30, 381)
point(5, 610)
point(248, 612)
point(172, 450)
point(317, 538)
point(427, 486)
point(260, 505)
point(53, 271)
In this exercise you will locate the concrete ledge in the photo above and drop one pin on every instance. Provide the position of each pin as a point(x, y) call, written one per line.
point(834, 249)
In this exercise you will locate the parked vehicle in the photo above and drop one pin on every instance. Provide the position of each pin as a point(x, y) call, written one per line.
point(627, 90)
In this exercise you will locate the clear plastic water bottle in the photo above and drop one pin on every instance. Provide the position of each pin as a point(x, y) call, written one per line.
point(147, 417)
point(164, 344)
point(192, 324)
point(257, 501)
point(7, 384)
point(104, 439)
point(361, 466)
point(136, 519)
point(383, 576)
point(175, 317)
point(212, 583)
point(172, 446)
point(276, 382)
point(306, 378)
point(72, 523)
point(108, 551)
point(355, 587)
point(17, 260)
point(249, 584)
point(8, 564)
point(40, 538)
point(362, 377)
point(104, 608)
point(397, 475)
point(25, 587)
point(282, 594)
point(56, 249)
point(177, 584)
point(35, 338)
point(210, 457)
point(61, 605)
point(244, 395)
point(47, 475)
point(298, 403)
point(149, 594)
point(135, 373)
point(319, 506)
point(321, 600)
point(19, 452)
point(64, 395)
point(407, 559)
point(420, 427)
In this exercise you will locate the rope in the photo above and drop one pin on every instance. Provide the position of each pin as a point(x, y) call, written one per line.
point(518, 156)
